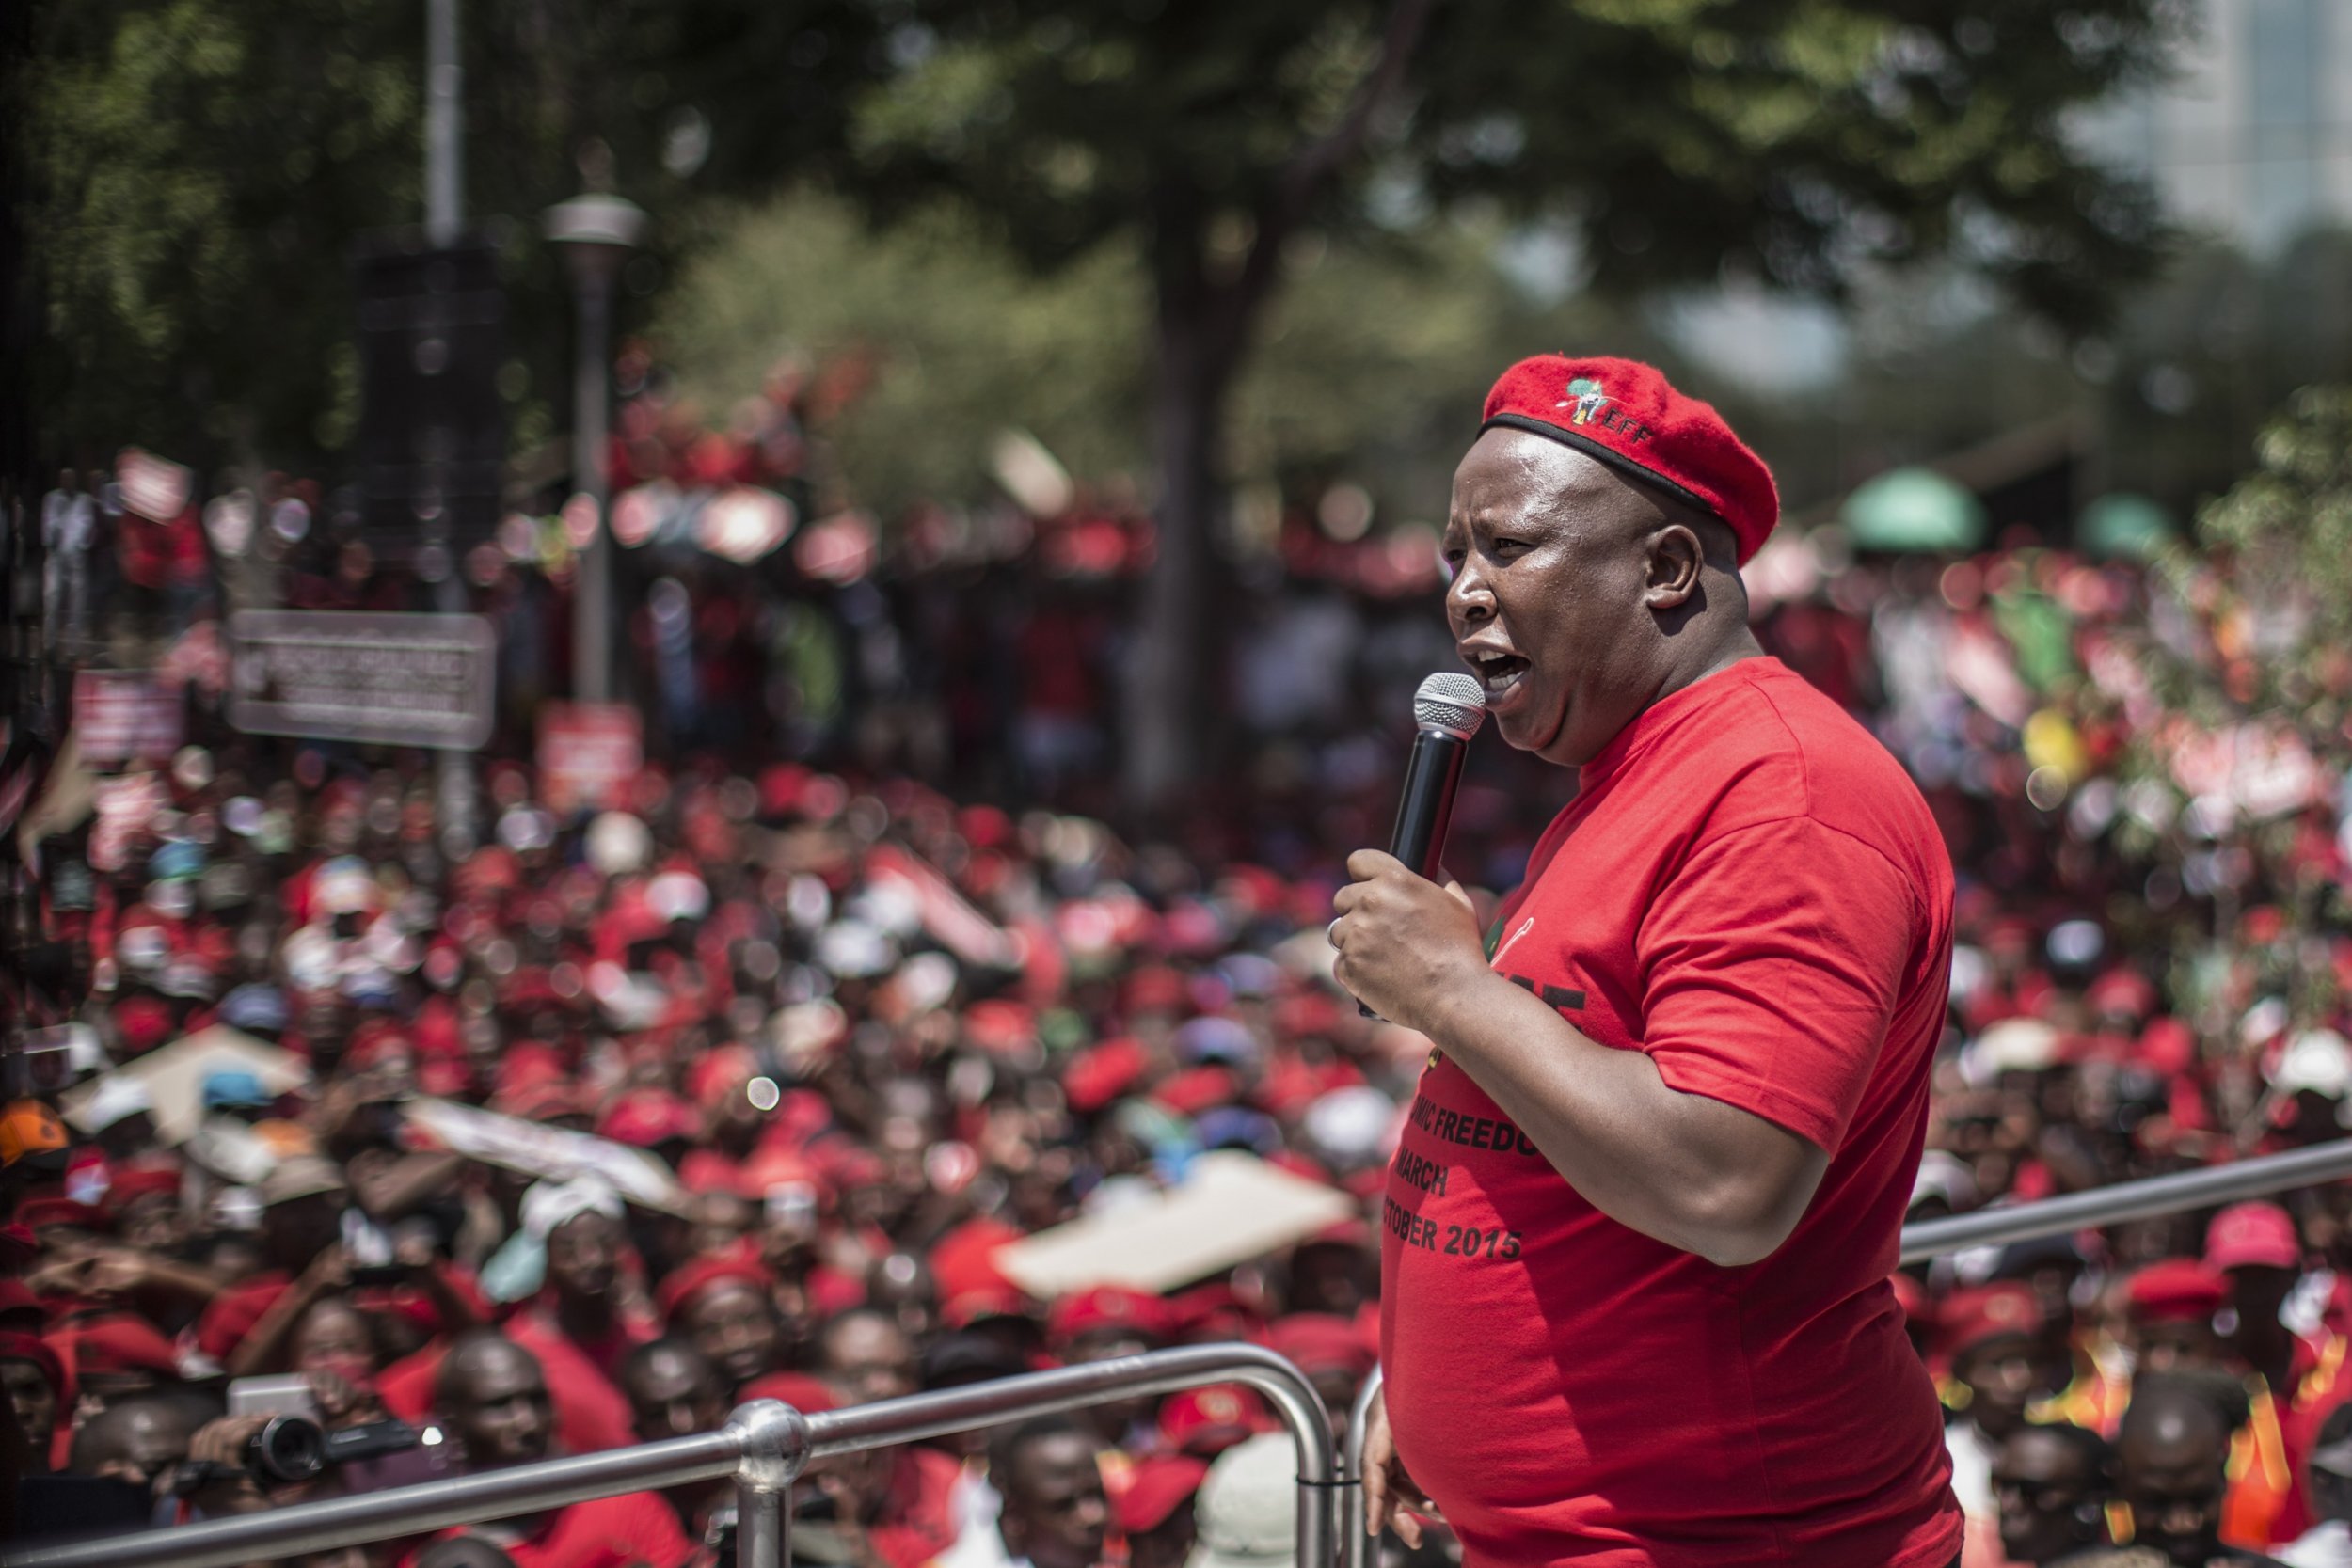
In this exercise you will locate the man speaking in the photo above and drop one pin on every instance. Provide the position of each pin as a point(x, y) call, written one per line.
point(1637, 1234)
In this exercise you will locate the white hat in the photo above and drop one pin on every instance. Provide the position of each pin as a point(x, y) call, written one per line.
point(1946, 1176)
point(2316, 1059)
point(2012, 1045)
point(1247, 1510)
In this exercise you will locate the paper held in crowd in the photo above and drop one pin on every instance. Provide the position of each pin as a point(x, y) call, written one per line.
point(552, 1153)
point(174, 1076)
point(1231, 1207)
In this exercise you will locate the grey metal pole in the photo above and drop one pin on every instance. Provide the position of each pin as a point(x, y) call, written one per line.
point(444, 219)
point(593, 632)
point(444, 125)
point(2130, 1200)
point(353, 1521)
point(763, 1530)
point(1356, 1542)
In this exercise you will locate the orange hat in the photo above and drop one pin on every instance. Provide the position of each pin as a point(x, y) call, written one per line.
point(2175, 1289)
point(2252, 1235)
point(689, 1279)
point(1204, 1422)
point(1107, 1306)
point(1989, 1312)
point(1155, 1488)
point(31, 1130)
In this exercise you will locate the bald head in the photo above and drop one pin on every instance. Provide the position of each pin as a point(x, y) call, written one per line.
point(2170, 1422)
point(493, 1396)
point(1580, 594)
point(2171, 1455)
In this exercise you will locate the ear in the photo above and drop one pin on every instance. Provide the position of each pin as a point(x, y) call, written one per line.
point(1677, 560)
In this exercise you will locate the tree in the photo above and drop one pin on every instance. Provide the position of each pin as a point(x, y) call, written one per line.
point(199, 172)
point(1797, 141)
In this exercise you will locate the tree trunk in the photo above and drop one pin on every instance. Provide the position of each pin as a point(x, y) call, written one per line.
point(1174, 658)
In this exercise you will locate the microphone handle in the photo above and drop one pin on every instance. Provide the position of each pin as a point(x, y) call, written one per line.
point(1431, 775)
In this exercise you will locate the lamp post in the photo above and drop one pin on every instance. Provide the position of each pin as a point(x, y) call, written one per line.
point(596, 233)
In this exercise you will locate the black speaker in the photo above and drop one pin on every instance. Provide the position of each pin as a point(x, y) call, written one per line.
point(432, 426)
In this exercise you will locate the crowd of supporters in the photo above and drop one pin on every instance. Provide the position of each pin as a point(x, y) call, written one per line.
point(874, 1025)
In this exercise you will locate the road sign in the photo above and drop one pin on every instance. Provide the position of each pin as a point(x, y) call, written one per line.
point(588, 752)
point(406, 680)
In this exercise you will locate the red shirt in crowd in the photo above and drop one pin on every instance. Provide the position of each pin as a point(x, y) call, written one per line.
point(1748, 888)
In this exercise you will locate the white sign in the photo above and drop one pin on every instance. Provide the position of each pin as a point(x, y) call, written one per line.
point(408, 680)
point(551, 1154)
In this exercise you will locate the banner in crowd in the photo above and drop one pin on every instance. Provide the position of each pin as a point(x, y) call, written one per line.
point(125, 716)
point(588, 752)
point(1231, 1207)
point(406, 680)
point(549, 1154)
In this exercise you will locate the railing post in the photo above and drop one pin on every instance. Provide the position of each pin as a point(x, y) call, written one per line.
point(763, 1528)
point(774, 1440)
point(1354, 1542)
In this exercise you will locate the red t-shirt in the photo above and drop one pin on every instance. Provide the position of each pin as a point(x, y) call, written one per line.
point(1748, 888)
point(633, 1530)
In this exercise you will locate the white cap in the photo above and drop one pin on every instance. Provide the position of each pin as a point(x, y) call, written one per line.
point(1247, 1510)
point(2316, 1059)
point(551, 1204)
point(2012, 1045)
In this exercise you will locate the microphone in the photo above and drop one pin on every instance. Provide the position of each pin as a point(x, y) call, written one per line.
point(1447, 711)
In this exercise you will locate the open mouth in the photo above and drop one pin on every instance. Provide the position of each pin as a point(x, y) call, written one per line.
point(1498, 672)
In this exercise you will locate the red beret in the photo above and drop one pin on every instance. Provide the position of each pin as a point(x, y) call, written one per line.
point(2176, 1288)
point(1095, 1078)
point(964, 1258)
point(118, 1343)
point(1107, 1306)
point(1977, 1316)
point(1204, 1422)
point(1319, 1341)
point(689, 1279)
point(1197, 1089)
point(1155, 1489)
point(1625, 414)
point(38, 1213)
point(30, 1347)
point(643, 1117)
point(800, 1392)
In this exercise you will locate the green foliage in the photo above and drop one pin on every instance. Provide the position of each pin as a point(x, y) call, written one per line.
point(1798, 140)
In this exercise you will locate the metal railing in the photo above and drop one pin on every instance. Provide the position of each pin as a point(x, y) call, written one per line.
point(764, 1446)
point(1995, 1227)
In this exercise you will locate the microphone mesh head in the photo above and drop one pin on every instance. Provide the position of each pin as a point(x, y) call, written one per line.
point(1451, 701)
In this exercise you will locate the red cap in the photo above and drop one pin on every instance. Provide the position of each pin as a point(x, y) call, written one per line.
point(1155, 1489)
point(964, 1258)
point(2252, 1235)
point(967, 1307)
point(800, 1392)
point(685, 1281)
point(1202, 1088)
point(1625, 414)
point(2176, 1288)
point(1989, 1312)
point(137, 1182)
point(1204, 1422)
point(1107, 1306)
point(1319, 1341)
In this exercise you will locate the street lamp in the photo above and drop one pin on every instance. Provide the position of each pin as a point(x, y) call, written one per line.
point(596, 233)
